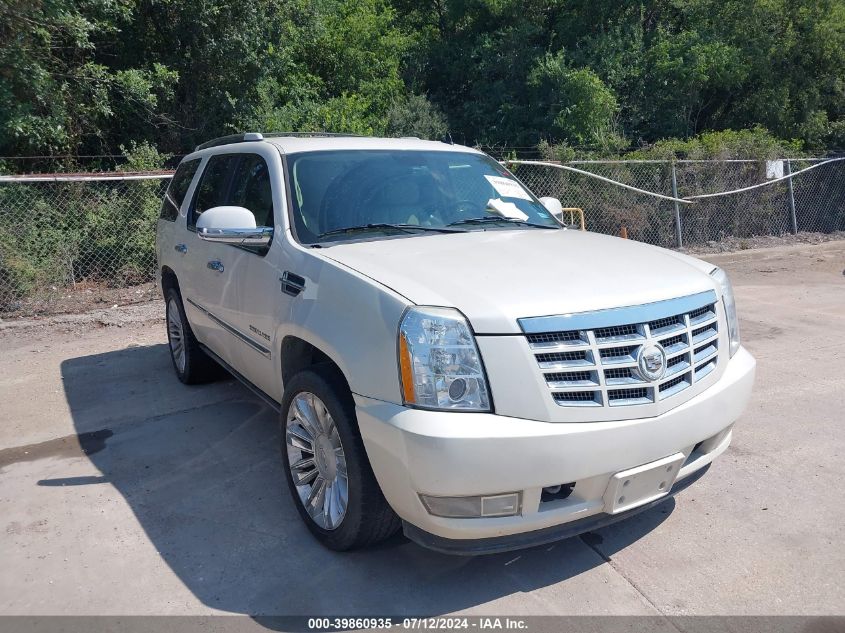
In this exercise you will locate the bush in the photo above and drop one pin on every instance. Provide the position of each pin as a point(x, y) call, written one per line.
point(755, 143)
point(17, 275)
point(416, 116)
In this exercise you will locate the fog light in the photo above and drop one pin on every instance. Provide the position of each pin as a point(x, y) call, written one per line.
point(500, 505)
point(473, 507)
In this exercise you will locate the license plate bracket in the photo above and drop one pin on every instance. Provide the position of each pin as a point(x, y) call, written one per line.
point(636, 486)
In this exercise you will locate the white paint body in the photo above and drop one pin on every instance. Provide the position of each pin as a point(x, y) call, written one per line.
point(354, 297)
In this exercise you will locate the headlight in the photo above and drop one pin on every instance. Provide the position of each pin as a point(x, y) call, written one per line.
point(730, 308)
point(439, 363)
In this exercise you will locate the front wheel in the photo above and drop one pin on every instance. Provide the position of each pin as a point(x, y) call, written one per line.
point(326, 466)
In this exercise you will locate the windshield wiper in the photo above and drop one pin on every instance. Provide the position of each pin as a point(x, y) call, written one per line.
point(373, 226)
point(494, 219)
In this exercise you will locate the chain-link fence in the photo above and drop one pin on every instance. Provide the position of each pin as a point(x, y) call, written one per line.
point(811, 201)
point(67, 238)
point(68, 242)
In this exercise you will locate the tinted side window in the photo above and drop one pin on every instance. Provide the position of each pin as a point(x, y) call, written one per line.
point(251, 188)
point(177, 189)
point(213, 188)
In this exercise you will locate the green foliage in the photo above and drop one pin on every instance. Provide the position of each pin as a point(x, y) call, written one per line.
point(682, 71)
point(103, 233)
point(416, 116)
point(142, 157)
point(597, 75)
point(560, 152)
point(836, 134)
point(673, 68)
point(338, 70)
point(129, 215)
point(574, 103)
point(17, 272)
point(56, 95)
point(756, 143)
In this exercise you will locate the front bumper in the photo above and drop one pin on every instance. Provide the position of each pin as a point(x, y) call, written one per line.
point(435, 453)
point(498, 544)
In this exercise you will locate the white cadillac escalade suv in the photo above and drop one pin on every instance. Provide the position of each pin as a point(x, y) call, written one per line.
point(445, 355)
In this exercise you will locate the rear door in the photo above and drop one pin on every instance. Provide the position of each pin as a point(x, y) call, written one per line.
point(172, 234)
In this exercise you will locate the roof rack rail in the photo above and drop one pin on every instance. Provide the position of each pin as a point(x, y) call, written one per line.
point(308, 134)
point(231, 138)
point(258, 136)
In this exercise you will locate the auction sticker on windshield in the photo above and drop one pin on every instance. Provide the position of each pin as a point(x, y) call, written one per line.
point(508, 188)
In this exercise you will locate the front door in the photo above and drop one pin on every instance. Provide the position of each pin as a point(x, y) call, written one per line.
point(235, 290)
point(258, 186)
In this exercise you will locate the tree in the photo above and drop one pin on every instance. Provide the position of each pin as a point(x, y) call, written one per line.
point(87, 76)
point(56, 94)
point(574, 104)
point(337, 69)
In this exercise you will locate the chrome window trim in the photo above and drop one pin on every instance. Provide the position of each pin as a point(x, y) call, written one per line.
point(616, 316)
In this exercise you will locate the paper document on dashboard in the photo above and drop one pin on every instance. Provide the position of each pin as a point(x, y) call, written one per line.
point(506, 209)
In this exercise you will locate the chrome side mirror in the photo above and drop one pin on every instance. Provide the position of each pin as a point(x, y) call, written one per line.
point(259, 236)
point(232, 225)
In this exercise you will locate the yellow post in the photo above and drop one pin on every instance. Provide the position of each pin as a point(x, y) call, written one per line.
point(572, 211)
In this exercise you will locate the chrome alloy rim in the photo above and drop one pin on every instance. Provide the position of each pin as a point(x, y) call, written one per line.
point(317, 462)
point(176, 335)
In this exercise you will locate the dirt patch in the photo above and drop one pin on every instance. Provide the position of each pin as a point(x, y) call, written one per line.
point(114, 316)
point(79, 298)
point(733, 244)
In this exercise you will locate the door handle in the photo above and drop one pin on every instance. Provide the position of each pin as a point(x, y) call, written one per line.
point(292, 284)
point(180, 248)
point(216, 265)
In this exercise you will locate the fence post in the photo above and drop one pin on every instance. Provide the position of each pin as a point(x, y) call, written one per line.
point(678, 206)
point(791, 198)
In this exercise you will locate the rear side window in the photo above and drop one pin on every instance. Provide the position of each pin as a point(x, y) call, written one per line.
point(213, 188)
point(177, 189)
point(251, 188)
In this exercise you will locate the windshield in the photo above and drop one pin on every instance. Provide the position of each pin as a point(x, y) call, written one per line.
point(369, 190)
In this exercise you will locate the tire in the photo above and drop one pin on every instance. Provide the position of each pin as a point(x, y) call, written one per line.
point(192, 365)
point(365, 518)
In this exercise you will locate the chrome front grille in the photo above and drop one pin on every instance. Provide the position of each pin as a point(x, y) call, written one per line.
point(591, 359)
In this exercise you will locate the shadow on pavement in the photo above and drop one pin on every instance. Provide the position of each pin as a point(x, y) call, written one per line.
point(205, 483)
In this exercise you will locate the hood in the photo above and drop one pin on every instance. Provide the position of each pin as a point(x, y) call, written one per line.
point(498, 276)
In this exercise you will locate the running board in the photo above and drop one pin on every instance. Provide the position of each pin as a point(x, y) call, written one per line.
point(270, 402)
